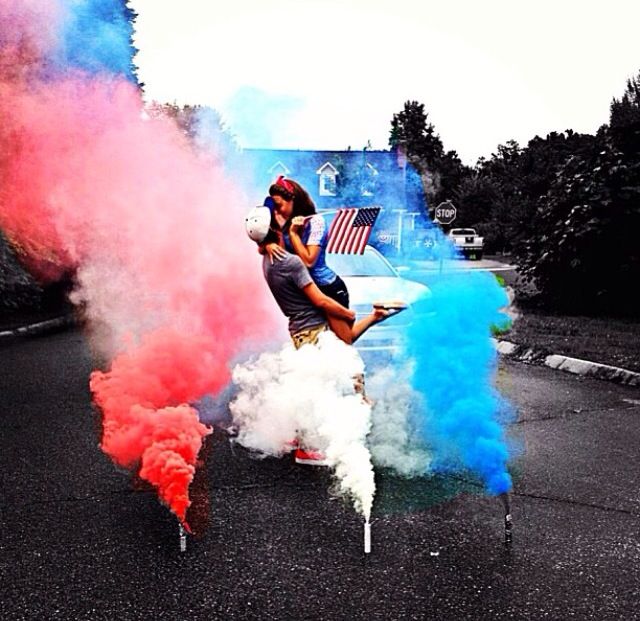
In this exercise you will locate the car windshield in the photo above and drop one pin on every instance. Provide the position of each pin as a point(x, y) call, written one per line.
point(371, 263)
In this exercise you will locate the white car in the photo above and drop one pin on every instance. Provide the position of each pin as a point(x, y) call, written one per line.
point(371, 278)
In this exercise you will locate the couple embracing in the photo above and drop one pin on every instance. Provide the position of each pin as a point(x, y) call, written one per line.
point(293, 239)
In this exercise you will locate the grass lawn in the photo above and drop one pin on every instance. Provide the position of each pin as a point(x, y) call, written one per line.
point(606, 340)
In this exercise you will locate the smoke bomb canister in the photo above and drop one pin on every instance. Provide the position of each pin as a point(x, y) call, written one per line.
point(367, 538)
point(508, 523)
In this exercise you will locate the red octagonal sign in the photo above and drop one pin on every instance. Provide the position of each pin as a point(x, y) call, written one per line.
point(445, 213)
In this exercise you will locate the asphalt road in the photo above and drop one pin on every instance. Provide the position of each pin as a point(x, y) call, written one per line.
point(79, 541)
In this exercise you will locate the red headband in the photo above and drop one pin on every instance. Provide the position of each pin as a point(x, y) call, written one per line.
point(283, 183)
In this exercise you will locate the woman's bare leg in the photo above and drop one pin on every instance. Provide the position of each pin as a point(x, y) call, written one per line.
point(350, 332)
point(342, 329)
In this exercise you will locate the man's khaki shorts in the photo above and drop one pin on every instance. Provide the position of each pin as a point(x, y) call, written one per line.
point(308, 336)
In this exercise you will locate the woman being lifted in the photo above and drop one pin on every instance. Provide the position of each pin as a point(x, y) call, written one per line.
point(305, 234)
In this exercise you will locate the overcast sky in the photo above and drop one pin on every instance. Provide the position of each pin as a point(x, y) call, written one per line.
point(328, 74)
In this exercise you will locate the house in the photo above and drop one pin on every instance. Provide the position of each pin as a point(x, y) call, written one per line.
point(350, 179)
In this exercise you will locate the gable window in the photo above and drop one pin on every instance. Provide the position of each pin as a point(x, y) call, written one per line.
point(279, 169)
point(328, 185)
point(327, 180)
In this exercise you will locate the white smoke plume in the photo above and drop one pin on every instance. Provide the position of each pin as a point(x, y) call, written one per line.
point(394, 441)
point(309, 394)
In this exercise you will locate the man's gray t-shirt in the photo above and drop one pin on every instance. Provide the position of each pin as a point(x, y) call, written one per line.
point(286, 279)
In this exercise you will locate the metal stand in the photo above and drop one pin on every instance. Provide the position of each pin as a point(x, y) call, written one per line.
point(508, 520)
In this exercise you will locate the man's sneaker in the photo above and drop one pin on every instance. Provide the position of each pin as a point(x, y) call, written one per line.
point(310, 457)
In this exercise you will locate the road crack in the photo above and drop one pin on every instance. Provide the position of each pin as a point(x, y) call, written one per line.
point(577, 503)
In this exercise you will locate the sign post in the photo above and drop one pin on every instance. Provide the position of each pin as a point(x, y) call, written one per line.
point(445, 213)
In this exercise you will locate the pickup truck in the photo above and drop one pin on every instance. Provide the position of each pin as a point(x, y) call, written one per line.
point(468, 242)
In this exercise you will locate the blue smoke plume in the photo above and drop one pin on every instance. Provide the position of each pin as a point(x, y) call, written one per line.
point(260, 119)
point(455, 361)
point(96, 37)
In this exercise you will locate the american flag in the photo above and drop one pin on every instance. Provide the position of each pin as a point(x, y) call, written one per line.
point(350, 229)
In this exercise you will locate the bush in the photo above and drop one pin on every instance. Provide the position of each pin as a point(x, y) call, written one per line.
point(18, 290)
point(583, 254)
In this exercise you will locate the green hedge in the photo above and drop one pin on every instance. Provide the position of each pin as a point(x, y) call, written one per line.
point(18, 289)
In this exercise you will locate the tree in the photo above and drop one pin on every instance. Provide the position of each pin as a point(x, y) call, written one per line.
point(18, 289)
point(130, 17)
point(571, 207)
point(452, 172)
point(411, 132)
point(624, 119)
point(439, 171)
point(522, 176)
point(476, 198)
point(583, 254)
point(202, 126)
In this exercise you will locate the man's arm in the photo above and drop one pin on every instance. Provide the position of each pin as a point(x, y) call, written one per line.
point(327, 304)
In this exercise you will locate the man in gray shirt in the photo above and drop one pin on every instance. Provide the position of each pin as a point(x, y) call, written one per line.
point(287, 279)
point(296, 294)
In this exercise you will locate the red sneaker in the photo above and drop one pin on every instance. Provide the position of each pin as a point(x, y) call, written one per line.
point(310, 457)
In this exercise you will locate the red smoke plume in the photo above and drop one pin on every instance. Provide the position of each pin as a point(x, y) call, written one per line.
point(147, 421)
point(152, 231)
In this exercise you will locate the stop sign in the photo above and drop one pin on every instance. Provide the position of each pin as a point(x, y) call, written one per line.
point(445, 212)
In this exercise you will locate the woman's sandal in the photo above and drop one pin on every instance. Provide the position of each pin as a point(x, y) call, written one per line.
point(393, 307)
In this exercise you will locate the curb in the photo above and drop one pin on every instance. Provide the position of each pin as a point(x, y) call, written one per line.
point(42, 327)
point(586, 368)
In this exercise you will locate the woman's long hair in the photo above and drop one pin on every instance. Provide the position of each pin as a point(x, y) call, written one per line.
point(289, 189)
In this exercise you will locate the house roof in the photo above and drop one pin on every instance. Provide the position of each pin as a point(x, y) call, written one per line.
point(281, 166)
point(380, 169)
point(304, 160)
point(327, 165)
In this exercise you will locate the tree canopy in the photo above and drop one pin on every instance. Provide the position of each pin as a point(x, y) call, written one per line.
point(567, 205)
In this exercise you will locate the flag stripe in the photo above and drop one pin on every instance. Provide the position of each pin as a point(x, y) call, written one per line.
point(345, 237)
point(356, 236)
point(332, 230)
point(341, 230)
point(362, 239)
point(347, 233)
point(335, 228)
point(366, 239)
point(351, 229)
